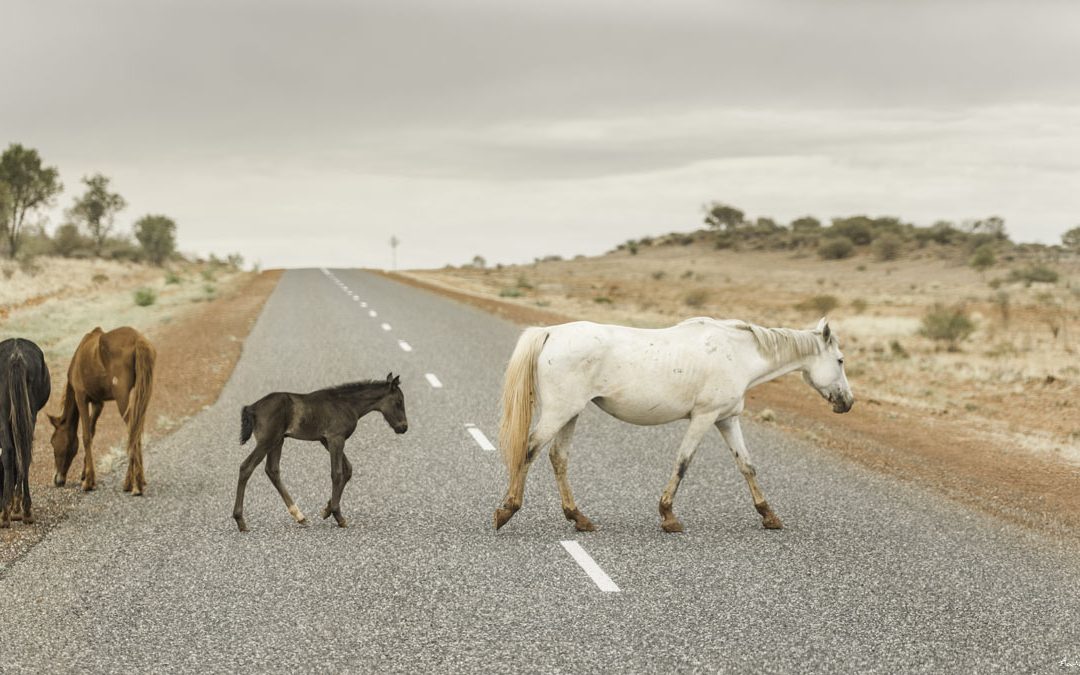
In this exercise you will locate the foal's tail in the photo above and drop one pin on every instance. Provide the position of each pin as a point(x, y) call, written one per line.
point(140, 393)
point(247, 423)
point(21, 414)
point(519, 393)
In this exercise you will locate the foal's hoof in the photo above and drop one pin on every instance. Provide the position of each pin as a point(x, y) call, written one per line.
point(341, 522)
point(58, 481)
point(28, 520)
point(771, 522)
point(88, 485)
point(241, 525)
point(581, 522)
point(671, 526)
point(325, 513)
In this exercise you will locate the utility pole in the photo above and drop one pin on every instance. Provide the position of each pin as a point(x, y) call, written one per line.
point(393, 251)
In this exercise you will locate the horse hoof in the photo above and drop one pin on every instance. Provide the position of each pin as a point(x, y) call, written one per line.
point(502, 516)
point(58, 481)
point(584, 525)
point(342, 523)
point(325, 513)
point(771, 522)
point(88, 487)
point(241, 525)
point(671, 526)
point(302, 521)
point(28, 520)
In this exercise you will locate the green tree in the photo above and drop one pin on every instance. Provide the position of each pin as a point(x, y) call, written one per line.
point(806, 224)
point(722, 216)
point(96, 209)
point(157, 236)
point(68, 240)
point(26, 186)
point(1071, 239)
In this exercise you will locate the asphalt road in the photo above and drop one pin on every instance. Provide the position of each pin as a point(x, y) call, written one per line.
point(870, 575)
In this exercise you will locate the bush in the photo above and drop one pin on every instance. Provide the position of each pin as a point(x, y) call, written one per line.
point(983, 258)
point(835, 248)
point(99, 278)
point(819, 304)
point(859, 305)
point(951, 325)
point(887, 247)
point(658, 275)
point(172, 277)
point(144, 297)
point(1036, 273)
point(157, 236)
point(696, 297)
point(856, 229)
point(602, 300)
point(210, 291)
point(510, 292)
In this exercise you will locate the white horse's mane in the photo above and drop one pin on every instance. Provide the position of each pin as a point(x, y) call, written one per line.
point(780, 345)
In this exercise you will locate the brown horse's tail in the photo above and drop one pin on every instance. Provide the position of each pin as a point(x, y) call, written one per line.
point(140, 398)
point(22, 415)
point(519, 391)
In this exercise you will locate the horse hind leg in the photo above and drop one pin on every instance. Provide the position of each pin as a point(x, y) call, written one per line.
point(273, 472)
point(689, 445)
point(549, 425)
point(246, 469)
point(560, 456)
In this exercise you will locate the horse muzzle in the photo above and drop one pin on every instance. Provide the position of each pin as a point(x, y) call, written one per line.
point(400, 429)
point(842, 404)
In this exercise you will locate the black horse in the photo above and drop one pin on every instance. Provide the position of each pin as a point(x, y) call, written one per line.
point(24, 390)
point(328, 416)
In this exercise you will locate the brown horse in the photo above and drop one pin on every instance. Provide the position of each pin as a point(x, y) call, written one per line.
point(114, 366)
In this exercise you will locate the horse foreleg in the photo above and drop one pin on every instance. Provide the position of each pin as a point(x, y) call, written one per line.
point(273, 472)
point(560, 456)
point(246, 469)
point(698, 425)
point(88, 415)
point(731, 430)
point(27, 517)
point(337, 477)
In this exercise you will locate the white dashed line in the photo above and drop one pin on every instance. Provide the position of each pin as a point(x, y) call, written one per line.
point(433, 381)
point(356, 298)
point(599, 577)
point(386, 326)
point(405, 346)
point(363, 304)
point(372, 313)
point(479, 437)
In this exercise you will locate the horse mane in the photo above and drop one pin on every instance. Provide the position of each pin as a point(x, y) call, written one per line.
point(359, 387)
point(780, 345)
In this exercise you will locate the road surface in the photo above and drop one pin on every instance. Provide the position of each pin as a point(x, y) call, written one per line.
point(870, 575)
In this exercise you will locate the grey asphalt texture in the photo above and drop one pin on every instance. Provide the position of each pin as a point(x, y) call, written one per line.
point(870, 574)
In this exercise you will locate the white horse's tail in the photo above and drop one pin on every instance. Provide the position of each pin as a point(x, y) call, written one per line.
point(519, 391)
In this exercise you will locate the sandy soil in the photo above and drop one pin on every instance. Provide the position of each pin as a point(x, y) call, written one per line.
point(994, 425)
point(193, 364)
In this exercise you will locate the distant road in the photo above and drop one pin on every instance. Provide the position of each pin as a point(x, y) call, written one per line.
point(870, 575)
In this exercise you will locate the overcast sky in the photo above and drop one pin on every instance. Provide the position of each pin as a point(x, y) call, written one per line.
point(308, 133)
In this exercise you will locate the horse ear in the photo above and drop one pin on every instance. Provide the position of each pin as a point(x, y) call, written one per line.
point(390, 376)
point(823, 326)
point(396, 381)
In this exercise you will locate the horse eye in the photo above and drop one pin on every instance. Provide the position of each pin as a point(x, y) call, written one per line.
point(840, 361)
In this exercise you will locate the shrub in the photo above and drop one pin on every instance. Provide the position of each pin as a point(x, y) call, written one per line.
point(898, 350)
point(99, 278)
point(510, 292)
point(819, 304)
point(658, 275)
point(696, 297)
point(1036, 273)
point(522, 282)
point(887, 247)
point(859, 305)
point(602, 300)
point(950, 325)
point(144, 297)
point(172, 277)
point(983, 258)
point(210, 291)
point(835, 248)
point(856, 229)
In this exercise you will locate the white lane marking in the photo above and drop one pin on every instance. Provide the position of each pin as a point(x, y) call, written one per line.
point(372, 313)
point(363, 304)
point(479, 437)
point(433, 381)
point(599, 576)
point(386, 326)
point(405, 346)
point(356, 298)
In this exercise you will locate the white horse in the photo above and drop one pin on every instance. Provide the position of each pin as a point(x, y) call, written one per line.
point(699, 369)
